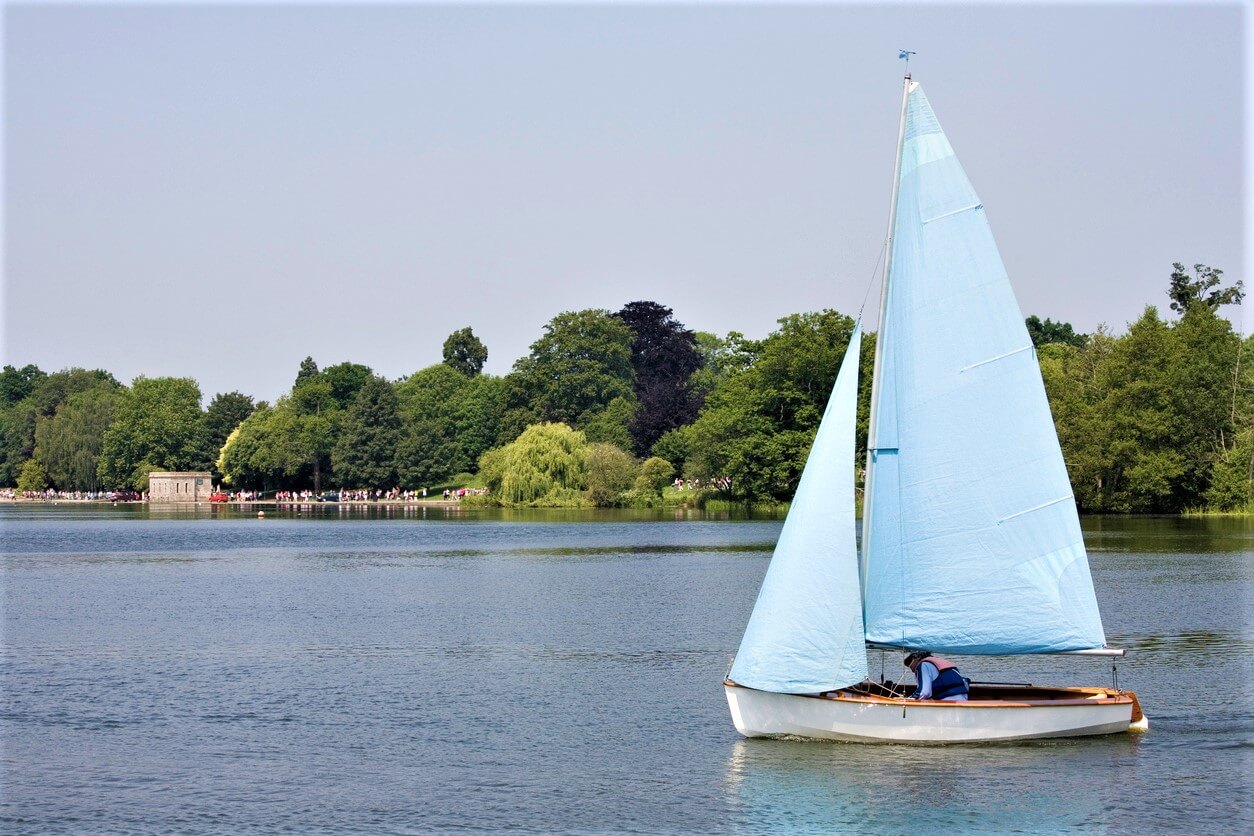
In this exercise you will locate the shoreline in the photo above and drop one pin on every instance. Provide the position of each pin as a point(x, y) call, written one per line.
point(268, 503)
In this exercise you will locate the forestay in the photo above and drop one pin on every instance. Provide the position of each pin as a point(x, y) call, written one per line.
point(973, 542)
point(805, 634)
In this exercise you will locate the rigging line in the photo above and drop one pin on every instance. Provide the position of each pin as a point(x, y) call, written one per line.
point(1236, 374)
point(870, 284)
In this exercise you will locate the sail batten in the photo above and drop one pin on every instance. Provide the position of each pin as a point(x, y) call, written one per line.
point(972, 540)
point(806, 632)
point(995, 359)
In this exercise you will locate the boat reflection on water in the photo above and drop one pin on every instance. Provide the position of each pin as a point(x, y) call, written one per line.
point(794, 786)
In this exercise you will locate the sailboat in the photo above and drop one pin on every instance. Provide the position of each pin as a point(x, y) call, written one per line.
point(971, 541)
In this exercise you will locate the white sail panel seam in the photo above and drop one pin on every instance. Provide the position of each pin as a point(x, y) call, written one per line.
point(970, 208)
point(1036, 508)
point(995, 359)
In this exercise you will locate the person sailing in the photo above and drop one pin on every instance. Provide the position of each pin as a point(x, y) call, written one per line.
point(937, 678)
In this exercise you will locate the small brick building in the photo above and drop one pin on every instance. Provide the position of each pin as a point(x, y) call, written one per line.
point(180, 486)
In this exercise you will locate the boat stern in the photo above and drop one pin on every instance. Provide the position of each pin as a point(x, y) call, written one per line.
point(1139, 722)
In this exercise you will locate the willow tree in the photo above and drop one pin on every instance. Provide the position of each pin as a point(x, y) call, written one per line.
point(546, 465)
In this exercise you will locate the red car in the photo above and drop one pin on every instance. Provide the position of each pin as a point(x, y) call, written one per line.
point(220, 497)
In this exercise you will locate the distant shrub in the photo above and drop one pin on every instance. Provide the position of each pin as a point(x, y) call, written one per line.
point(610, 472)
point(655, 474)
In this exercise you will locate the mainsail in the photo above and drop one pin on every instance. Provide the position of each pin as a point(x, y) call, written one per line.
point(805, 634)
point(971, 539)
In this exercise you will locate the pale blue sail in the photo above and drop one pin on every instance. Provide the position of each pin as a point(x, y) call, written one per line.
point(972, 542)
point(805, 634)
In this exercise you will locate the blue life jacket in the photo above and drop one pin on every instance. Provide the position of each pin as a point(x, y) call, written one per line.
point(948, 682)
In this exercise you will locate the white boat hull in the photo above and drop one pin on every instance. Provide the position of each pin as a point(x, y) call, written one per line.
point(870, 719)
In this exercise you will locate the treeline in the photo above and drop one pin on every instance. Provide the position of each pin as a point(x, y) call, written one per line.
point(1160, 419)
point(79, 430)
point(609, 407)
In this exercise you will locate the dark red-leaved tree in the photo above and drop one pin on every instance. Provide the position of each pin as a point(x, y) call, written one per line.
point(664, 355)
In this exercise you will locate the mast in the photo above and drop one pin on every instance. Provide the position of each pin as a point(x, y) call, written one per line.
point(880, 341)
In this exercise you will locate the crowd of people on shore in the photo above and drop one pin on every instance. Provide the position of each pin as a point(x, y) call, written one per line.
point(722, 483)
point(375, 495)
point(343, 495)
point(238, 496)
point(13, 494)
point(281, 497)
point(301, 497)
point(462, 493)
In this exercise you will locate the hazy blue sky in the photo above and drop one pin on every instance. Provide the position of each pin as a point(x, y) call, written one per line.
point(217, 191)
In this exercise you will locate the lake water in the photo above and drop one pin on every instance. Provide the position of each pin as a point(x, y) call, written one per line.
point(352, 671)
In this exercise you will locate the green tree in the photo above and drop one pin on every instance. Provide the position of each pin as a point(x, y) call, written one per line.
point(17, 384)
point(230, 460)
point(1148, 422)
point(448, 421)
point(14, 449)
point(611, 425)
point(69, 443)
point(1141, 410)
point(675, 446)
point(32, 478)
point(48, 392)
point(345, 380)
point(1075, 380)
point(545, 466)
point(1044, 333)
point(580, 365)
point(1232, 476)
point(317, 413)
point(307, 372)
point(610, 471)
point(759, 421)
point(365, 452)
point(464, 352)
point(268, 450)
point(720, 357)
point(1203, 287)
point(53, 390)
point(1232, 480)
point(1199, 381)
point(226, 411)
point(157, 424)
point(655, 474)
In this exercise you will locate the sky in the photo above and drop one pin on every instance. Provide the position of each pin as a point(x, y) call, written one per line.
point(217, 191)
